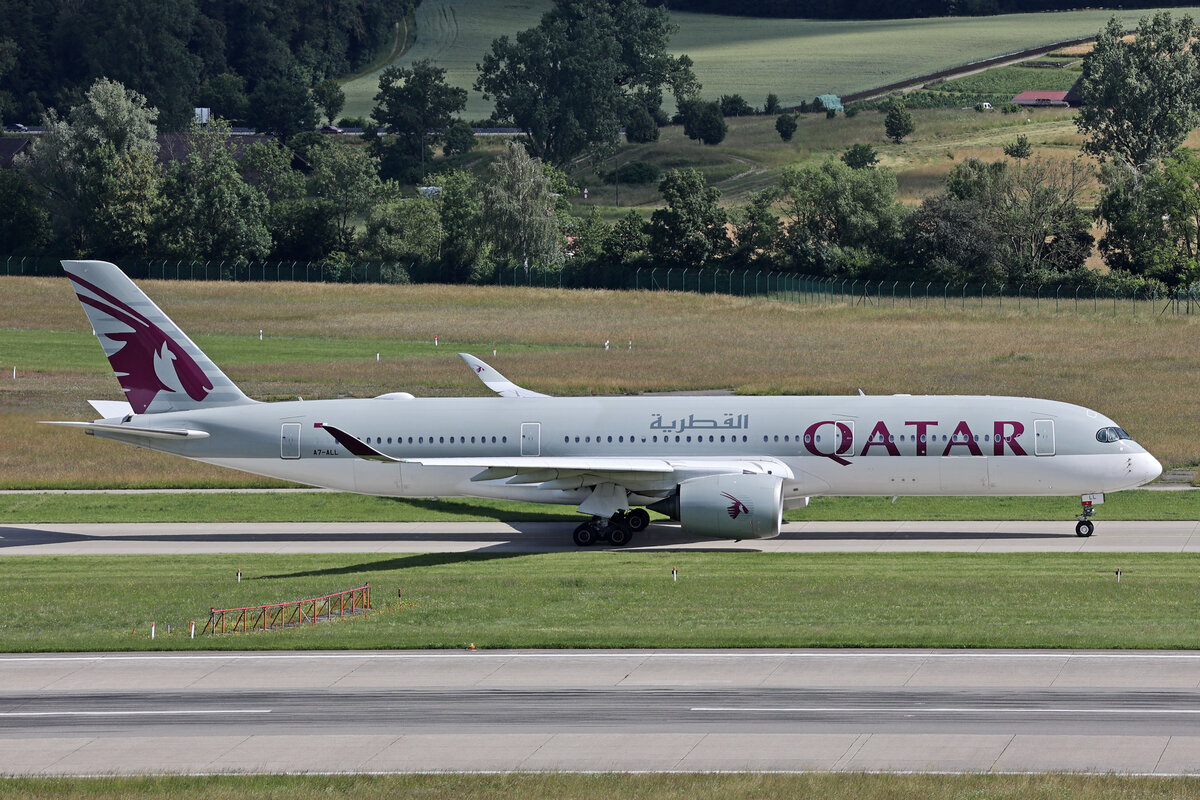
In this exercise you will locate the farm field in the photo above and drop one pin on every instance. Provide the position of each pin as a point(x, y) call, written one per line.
point(796, 59)
point(322, 340)
point(565, 786)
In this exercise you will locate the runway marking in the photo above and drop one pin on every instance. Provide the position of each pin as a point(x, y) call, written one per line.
point(957, 655)
point(943, 710)
point(168, 712)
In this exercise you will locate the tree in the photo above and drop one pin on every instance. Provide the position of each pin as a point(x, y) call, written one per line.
point(571, 81)
point(466, 252)
point(1141, 98)
point(898, 123)
point(1034, 213)
point(329, 96)
point(641, 127)
point(948, 239)
point(704, 121)
point(860, 156)
point(416, 105)
point(1020, 149)
point(213, 214)
point(403, 231)
point(282, 106)
point(690, 231)
point(345, 181)
point(837, 220)
point(786, 125)
point(734, 105)
point(771, 106)
point(519, 209)
point(1151, 218)
point(459, 138)
point(24, 220)
point(80, 158)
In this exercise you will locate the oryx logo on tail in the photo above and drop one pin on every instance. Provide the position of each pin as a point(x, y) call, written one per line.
point(147, 361)
point(737, 507)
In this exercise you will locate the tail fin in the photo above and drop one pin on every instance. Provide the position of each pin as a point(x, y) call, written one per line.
point(159, 367)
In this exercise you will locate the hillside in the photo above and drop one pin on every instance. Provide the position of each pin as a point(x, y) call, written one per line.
point(795, 58)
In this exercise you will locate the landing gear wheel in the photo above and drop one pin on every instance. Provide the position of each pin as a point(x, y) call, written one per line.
point(1084, 528)
point(585, 535)
point(619, 534)
point(637, 520)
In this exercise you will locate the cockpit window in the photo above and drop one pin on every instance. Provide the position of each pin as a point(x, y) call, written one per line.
point(1111, 434)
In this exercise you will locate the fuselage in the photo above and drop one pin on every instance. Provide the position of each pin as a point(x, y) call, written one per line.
point(841, 445)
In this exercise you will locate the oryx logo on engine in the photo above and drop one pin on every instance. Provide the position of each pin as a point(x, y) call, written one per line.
point(737, 507)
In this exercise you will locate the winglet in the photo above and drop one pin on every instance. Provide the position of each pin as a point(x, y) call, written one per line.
point(492, 379)
point(356, 447)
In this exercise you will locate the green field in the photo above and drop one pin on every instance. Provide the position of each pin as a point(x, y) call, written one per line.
point(609, 785)
point(796, 59)
point(614, 599)
point(49, 507)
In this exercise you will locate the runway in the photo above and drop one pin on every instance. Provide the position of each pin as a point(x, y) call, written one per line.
point(545, 537)
point(944, 711)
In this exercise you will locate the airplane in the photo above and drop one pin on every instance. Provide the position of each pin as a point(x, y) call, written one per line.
point(723, 466)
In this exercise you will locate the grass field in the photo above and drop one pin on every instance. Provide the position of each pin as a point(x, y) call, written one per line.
point(796, 59)
point(338, 507)
point(1137, 369)
point(614, 599)
point(606, 786)
point(610, 785)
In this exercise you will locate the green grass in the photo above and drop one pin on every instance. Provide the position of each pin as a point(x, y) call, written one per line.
point(1011, 81)
point(339, 507)
point(556, 786)
point(796, 59)
point(615, 599)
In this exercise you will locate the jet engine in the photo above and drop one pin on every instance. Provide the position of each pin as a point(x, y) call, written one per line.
point(728, 506)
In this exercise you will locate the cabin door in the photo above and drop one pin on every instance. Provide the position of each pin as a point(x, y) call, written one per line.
point(289, 440)
point(531, 438)
point(1043, 437)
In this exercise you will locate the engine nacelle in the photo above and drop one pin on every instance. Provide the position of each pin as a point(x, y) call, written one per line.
point(732, 506)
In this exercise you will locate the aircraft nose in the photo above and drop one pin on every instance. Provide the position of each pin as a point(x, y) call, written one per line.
point(1146, 468)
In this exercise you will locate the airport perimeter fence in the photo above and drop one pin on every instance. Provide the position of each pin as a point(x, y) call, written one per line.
point(782, 286)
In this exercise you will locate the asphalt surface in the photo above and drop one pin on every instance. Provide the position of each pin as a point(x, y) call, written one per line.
point(542, 537)
point(609, 710)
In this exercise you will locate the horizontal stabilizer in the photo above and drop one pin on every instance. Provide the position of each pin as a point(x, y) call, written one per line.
point(111, 409)
point(133, 430)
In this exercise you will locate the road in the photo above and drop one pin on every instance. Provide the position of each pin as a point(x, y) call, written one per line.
point(541, 537)
point(608, 710)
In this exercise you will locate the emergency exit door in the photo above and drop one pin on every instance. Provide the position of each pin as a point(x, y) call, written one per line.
point(531, 438)
point(289, 440)
point(1043, 437)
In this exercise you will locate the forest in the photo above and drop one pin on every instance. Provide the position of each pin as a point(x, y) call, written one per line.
point(172, 51)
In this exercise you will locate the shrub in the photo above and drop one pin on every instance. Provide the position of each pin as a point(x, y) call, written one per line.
point(641, 127)
point(786, 125)
point(634, 172)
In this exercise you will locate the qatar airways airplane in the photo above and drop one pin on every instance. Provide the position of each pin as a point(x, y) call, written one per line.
point(725, 467)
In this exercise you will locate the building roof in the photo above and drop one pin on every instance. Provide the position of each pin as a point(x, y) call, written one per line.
point(1043, 98)
point(10, 148)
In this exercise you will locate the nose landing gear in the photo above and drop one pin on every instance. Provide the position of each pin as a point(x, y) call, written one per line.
point(1085, 527)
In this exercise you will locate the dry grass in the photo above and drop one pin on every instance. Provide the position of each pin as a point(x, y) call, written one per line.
point(1136, 366)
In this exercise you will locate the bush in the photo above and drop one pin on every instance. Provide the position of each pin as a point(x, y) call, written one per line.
point(352, 122)
point(851, 111)
point(634, 172)
point(460, 138)
point(703, 121)
point(734, 105)
point(786, 125)
point(830, 113)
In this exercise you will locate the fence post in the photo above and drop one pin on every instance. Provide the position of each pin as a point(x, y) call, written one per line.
point(964, 304)
point(1000, 296)
point(981, 289)
point(1056, 291)
point(1020, 293)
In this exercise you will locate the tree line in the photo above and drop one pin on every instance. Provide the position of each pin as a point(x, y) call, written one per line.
point(180, 54)
point(92, 185)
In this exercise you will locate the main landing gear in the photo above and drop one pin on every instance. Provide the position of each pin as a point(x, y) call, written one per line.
point(617, 530)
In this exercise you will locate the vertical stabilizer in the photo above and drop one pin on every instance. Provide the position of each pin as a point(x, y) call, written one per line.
point(159, 367)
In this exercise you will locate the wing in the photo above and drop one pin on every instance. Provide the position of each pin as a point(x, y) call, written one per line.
point(640, 475)
point(492, 379)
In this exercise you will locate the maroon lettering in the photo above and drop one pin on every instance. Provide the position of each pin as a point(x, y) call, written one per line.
point(881, 437)
point(968, 440)
point(810, 440)
point(1001, 438)
point(921, 427)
